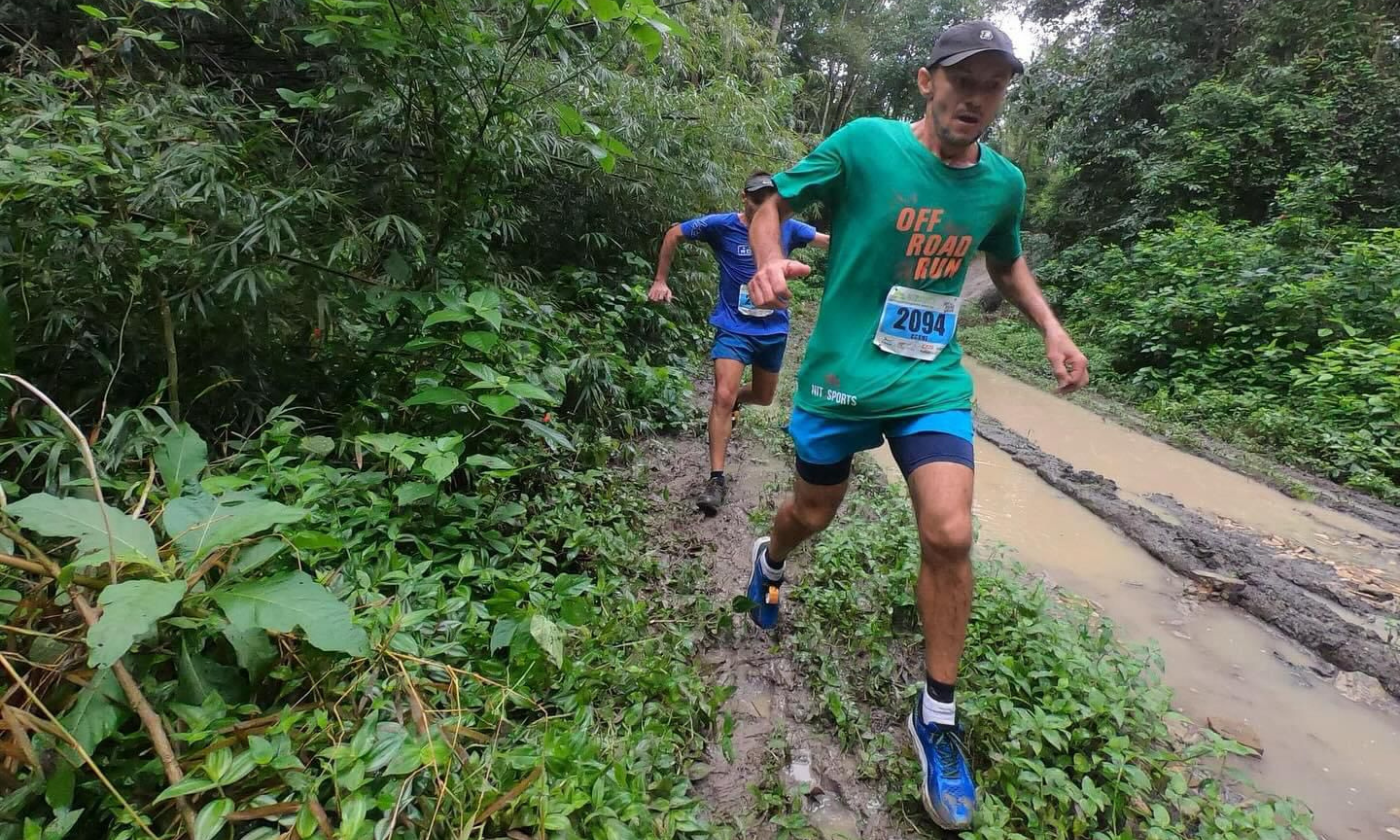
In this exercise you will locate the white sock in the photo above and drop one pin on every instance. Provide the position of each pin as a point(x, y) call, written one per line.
point(775, 575)
point(944, 714)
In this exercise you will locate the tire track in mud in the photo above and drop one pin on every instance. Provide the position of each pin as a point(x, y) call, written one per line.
point(1276, 587)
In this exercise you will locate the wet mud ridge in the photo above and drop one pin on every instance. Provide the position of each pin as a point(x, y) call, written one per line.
point(1292, 593)
point(770, 746)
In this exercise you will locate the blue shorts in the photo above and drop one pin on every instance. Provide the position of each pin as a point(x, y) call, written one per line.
point(761, 351)
point(825, 446)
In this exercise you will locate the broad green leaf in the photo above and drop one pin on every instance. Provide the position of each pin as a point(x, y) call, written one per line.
point(96, 713)
point(129, 609)
point(320, 37)
point(200, 676)
point(253, 556)
point(413, 491)
point(193, 783)
point(398, 268)
point(648, 37)
point(440, 395)
point(550, 637)
point(318, 445)
point(61, 825)
point(254, 650)
point(447, 316)
point(555, 439)
point(201, 523)
point(488, 305)
point(181, 456)
point(292, 600)
point(92, 11)
point(352, 816)
point(570, 120)
point(499, 403)
point(490, 462)
point(526, 391)
point(440, 465)
point(59, 790)
point(211, 819)
point(54, 517)
point(483, 341)
point(503, 633)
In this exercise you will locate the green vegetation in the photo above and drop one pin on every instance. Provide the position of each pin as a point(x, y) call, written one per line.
point(1223, 214)
point(344, 301)
point(347, 298)
point(1068, 729)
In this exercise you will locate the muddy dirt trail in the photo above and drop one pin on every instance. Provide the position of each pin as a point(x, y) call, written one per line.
point(1367, 555)
point(777, 741)
point(1328, 737)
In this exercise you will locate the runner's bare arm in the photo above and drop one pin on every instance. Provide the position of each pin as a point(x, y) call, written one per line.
point(1019, 286)
point(659, 291)
point(768, 288)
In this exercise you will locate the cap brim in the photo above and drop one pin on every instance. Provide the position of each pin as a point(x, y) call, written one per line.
point(1011, 59)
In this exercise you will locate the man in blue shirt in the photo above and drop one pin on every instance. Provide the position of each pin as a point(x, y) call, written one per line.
point(744, 334)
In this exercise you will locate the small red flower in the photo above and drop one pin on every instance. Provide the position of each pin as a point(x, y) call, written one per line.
point(547, 417)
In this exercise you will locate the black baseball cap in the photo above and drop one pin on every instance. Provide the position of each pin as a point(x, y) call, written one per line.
point(759, 182)
point(968, 39)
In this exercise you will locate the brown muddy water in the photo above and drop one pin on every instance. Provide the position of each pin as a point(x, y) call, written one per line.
point(1141, 465)
point(1331, 743)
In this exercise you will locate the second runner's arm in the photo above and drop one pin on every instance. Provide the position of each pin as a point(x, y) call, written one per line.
point(659, 291)
point(1018, 285)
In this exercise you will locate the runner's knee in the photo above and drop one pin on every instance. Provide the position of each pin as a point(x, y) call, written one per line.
point(948, 539)
point(814, 514)
point(725, 395)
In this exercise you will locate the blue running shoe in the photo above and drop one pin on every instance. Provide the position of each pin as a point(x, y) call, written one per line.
point(762, 591)
point(948, 790)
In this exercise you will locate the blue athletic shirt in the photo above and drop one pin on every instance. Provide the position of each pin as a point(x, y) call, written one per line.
point(728, 237)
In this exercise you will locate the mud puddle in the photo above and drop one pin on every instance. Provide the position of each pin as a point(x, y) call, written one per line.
point(1365, 555)
point(1334, 753)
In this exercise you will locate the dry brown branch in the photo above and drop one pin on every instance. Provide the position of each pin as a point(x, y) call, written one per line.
point(321, 819)
point(508, 797)
point(149, 719)
point(76, 747)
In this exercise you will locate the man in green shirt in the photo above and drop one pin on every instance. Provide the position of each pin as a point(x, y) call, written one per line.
point(910, 205)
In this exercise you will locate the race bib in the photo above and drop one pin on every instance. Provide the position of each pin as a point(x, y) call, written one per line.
point(746, 306)
point(915, 324)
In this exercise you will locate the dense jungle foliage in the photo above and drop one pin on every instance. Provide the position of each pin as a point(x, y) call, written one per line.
point(342, 304)
point(346, 297)
point(1221, 187)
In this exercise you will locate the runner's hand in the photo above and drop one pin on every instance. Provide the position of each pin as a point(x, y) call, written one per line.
point(769, 288)
point(1070, 366)
point(659, 292)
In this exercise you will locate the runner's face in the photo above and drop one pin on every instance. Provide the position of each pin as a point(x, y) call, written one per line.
point(964, 98)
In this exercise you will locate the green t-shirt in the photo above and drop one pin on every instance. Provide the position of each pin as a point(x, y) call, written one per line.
point(900, 217)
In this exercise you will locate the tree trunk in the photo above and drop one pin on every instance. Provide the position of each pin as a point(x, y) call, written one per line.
point(778, 22)
point(830, 86)
point(846, 100)
point(172, 361)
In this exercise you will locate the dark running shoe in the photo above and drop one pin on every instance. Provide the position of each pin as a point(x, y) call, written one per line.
point(712, 496)
point(948, 791)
